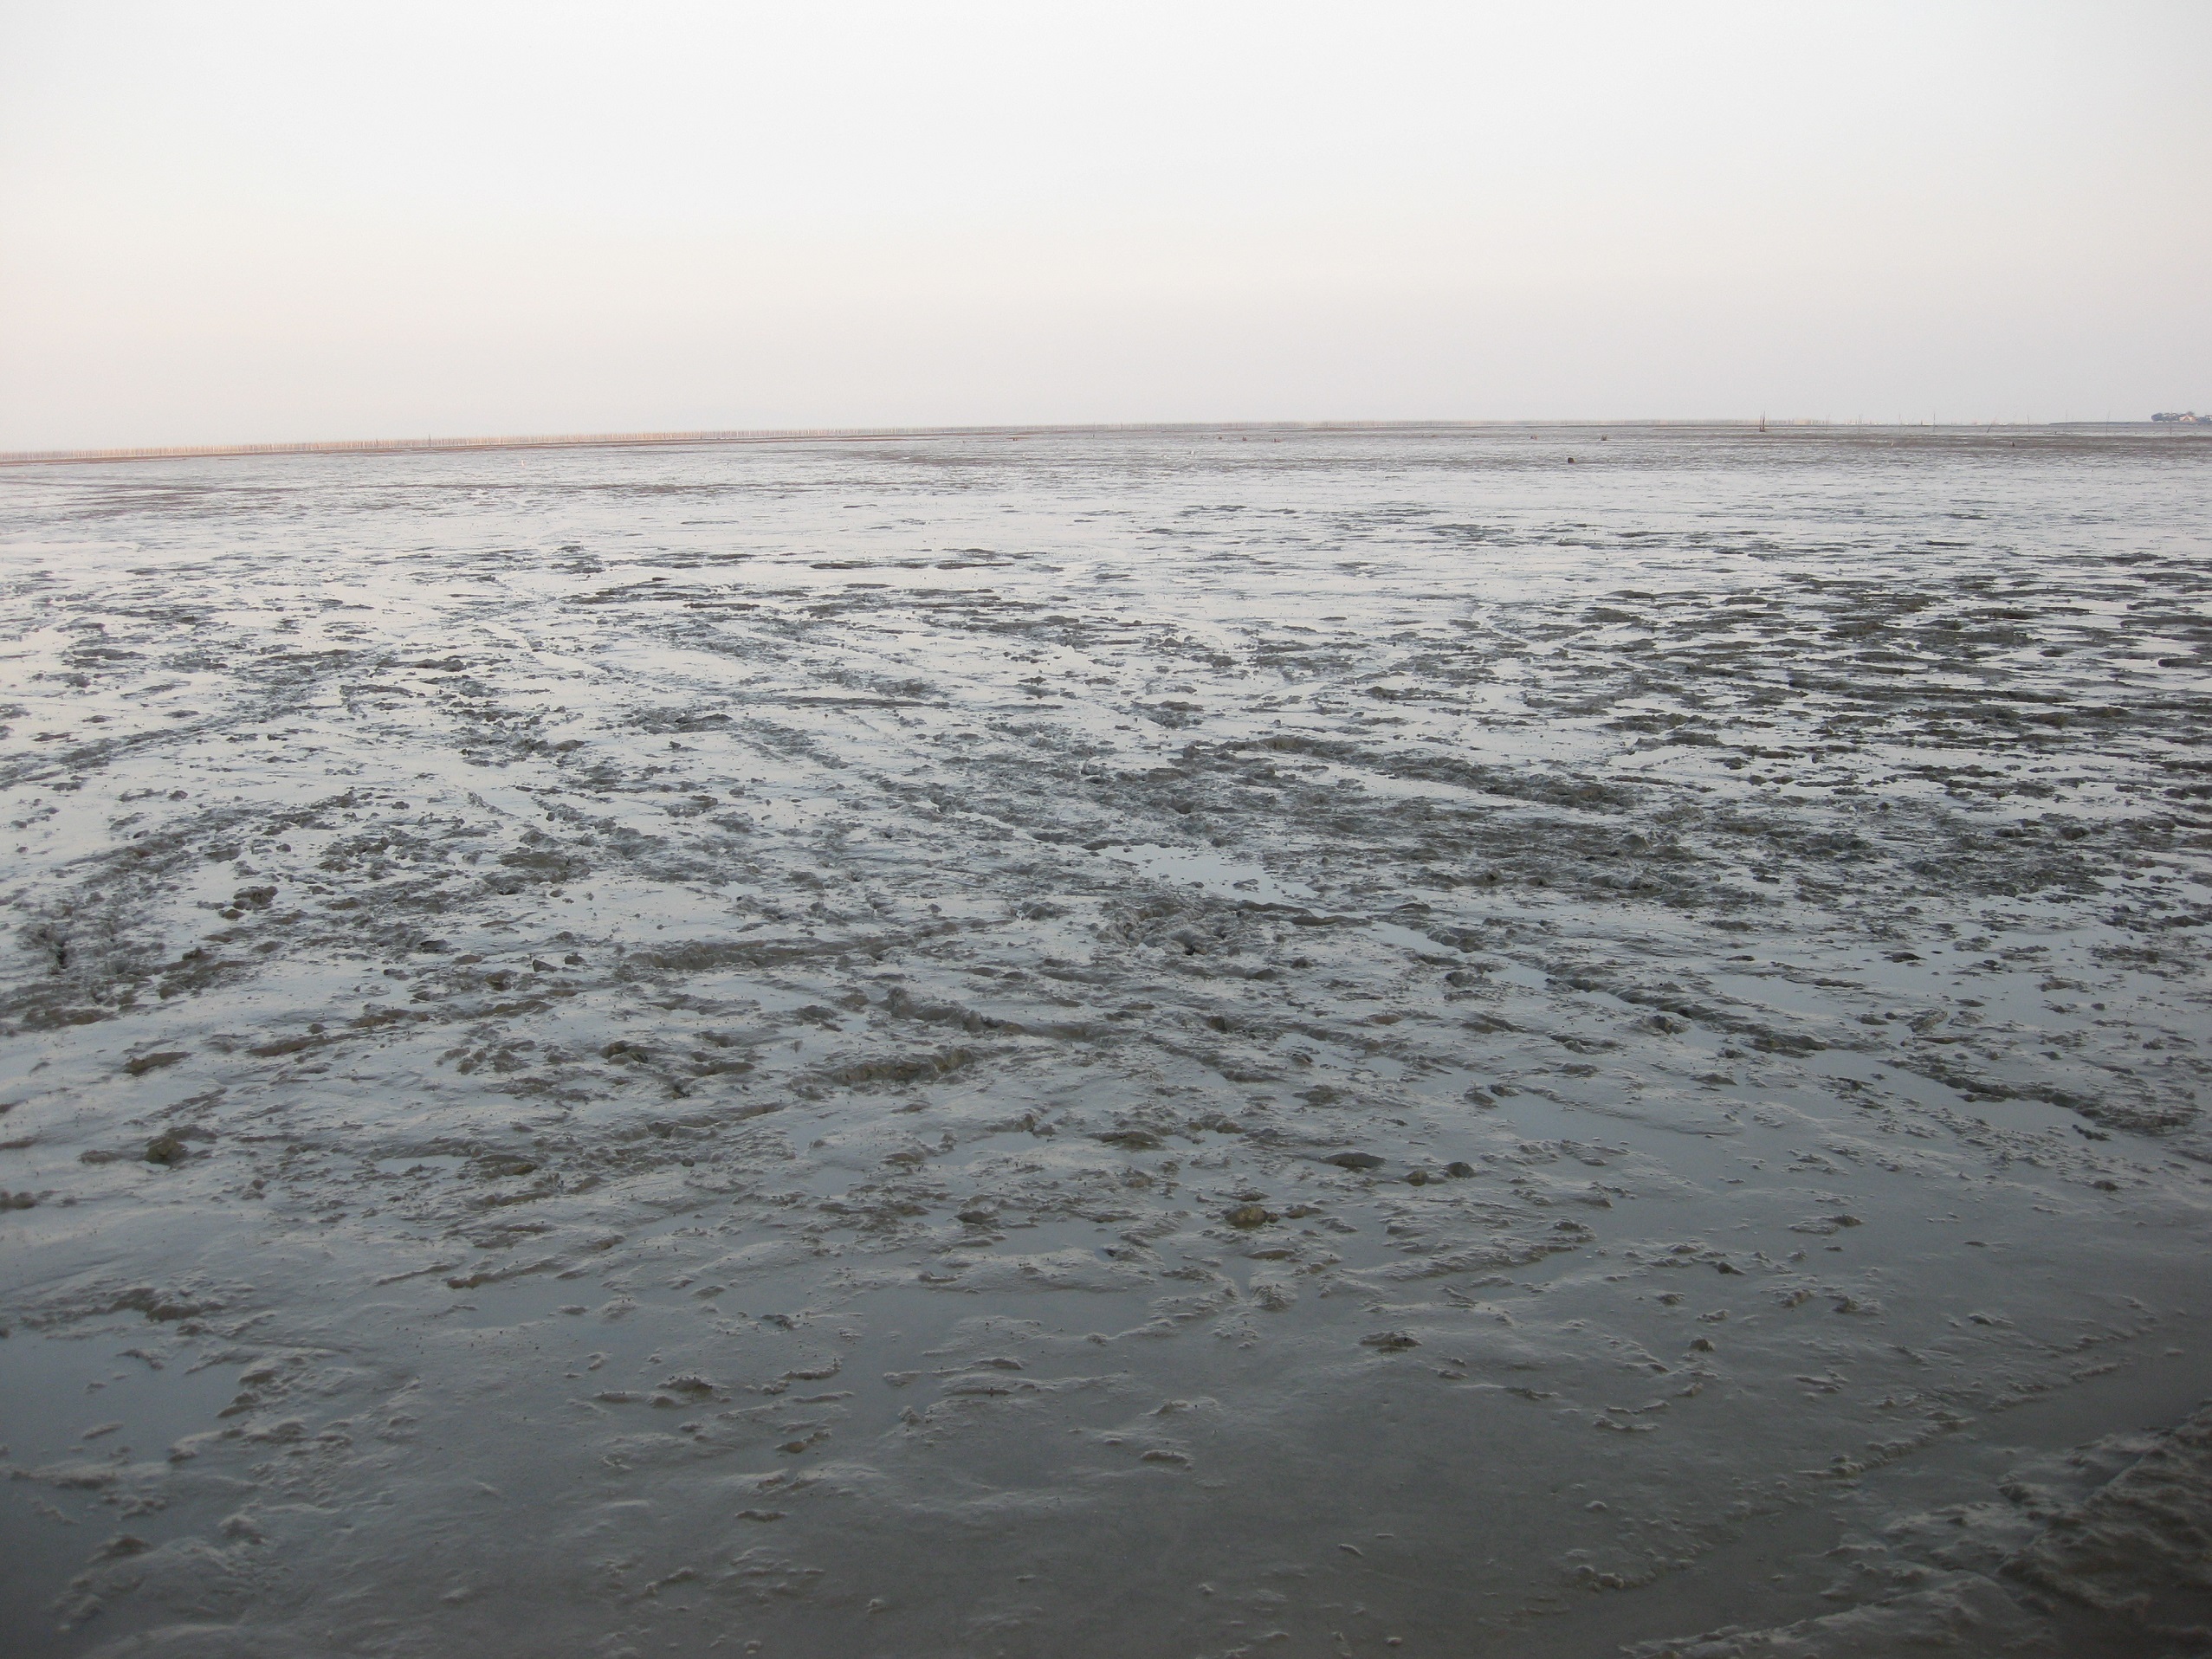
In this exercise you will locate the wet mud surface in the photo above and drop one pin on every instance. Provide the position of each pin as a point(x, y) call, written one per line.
point(1511, 1044)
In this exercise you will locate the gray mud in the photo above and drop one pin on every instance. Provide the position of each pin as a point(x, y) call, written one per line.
point(1513, 1044)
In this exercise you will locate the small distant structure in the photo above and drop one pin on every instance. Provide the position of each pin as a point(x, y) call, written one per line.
point(2185, 418)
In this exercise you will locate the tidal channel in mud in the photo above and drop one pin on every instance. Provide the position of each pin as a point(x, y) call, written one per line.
point(1517, 1043)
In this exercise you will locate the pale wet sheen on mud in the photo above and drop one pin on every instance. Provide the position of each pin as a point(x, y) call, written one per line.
point(1349, 1044)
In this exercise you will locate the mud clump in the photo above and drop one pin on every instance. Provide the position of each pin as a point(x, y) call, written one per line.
point(1131, 1140)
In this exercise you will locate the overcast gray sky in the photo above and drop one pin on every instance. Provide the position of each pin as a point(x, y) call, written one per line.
point(233, 222)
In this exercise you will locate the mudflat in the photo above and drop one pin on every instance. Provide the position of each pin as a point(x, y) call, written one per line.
point(1518, 1042)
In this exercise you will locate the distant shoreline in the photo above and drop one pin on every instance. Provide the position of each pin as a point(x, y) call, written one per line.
point(1770, 427)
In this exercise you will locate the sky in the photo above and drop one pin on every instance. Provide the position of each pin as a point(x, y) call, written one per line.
point(225, 222)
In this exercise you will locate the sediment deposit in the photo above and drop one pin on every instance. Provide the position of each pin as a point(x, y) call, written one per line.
point(1516, 1043)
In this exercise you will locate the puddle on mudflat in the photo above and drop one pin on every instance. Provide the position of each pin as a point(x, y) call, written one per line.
point(110, 1399)
point(1218, 876)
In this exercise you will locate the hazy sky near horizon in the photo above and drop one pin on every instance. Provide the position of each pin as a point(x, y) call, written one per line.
point(231, 222)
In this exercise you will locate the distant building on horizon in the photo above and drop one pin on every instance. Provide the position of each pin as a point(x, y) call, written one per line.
point(2189, 417)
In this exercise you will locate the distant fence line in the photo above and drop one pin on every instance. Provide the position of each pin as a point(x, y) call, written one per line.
point(782, 434)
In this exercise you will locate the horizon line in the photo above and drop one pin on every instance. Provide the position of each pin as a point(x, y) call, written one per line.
point(790, 434)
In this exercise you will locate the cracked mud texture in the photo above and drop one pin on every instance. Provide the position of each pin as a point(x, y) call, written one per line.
point(1360, 1044)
